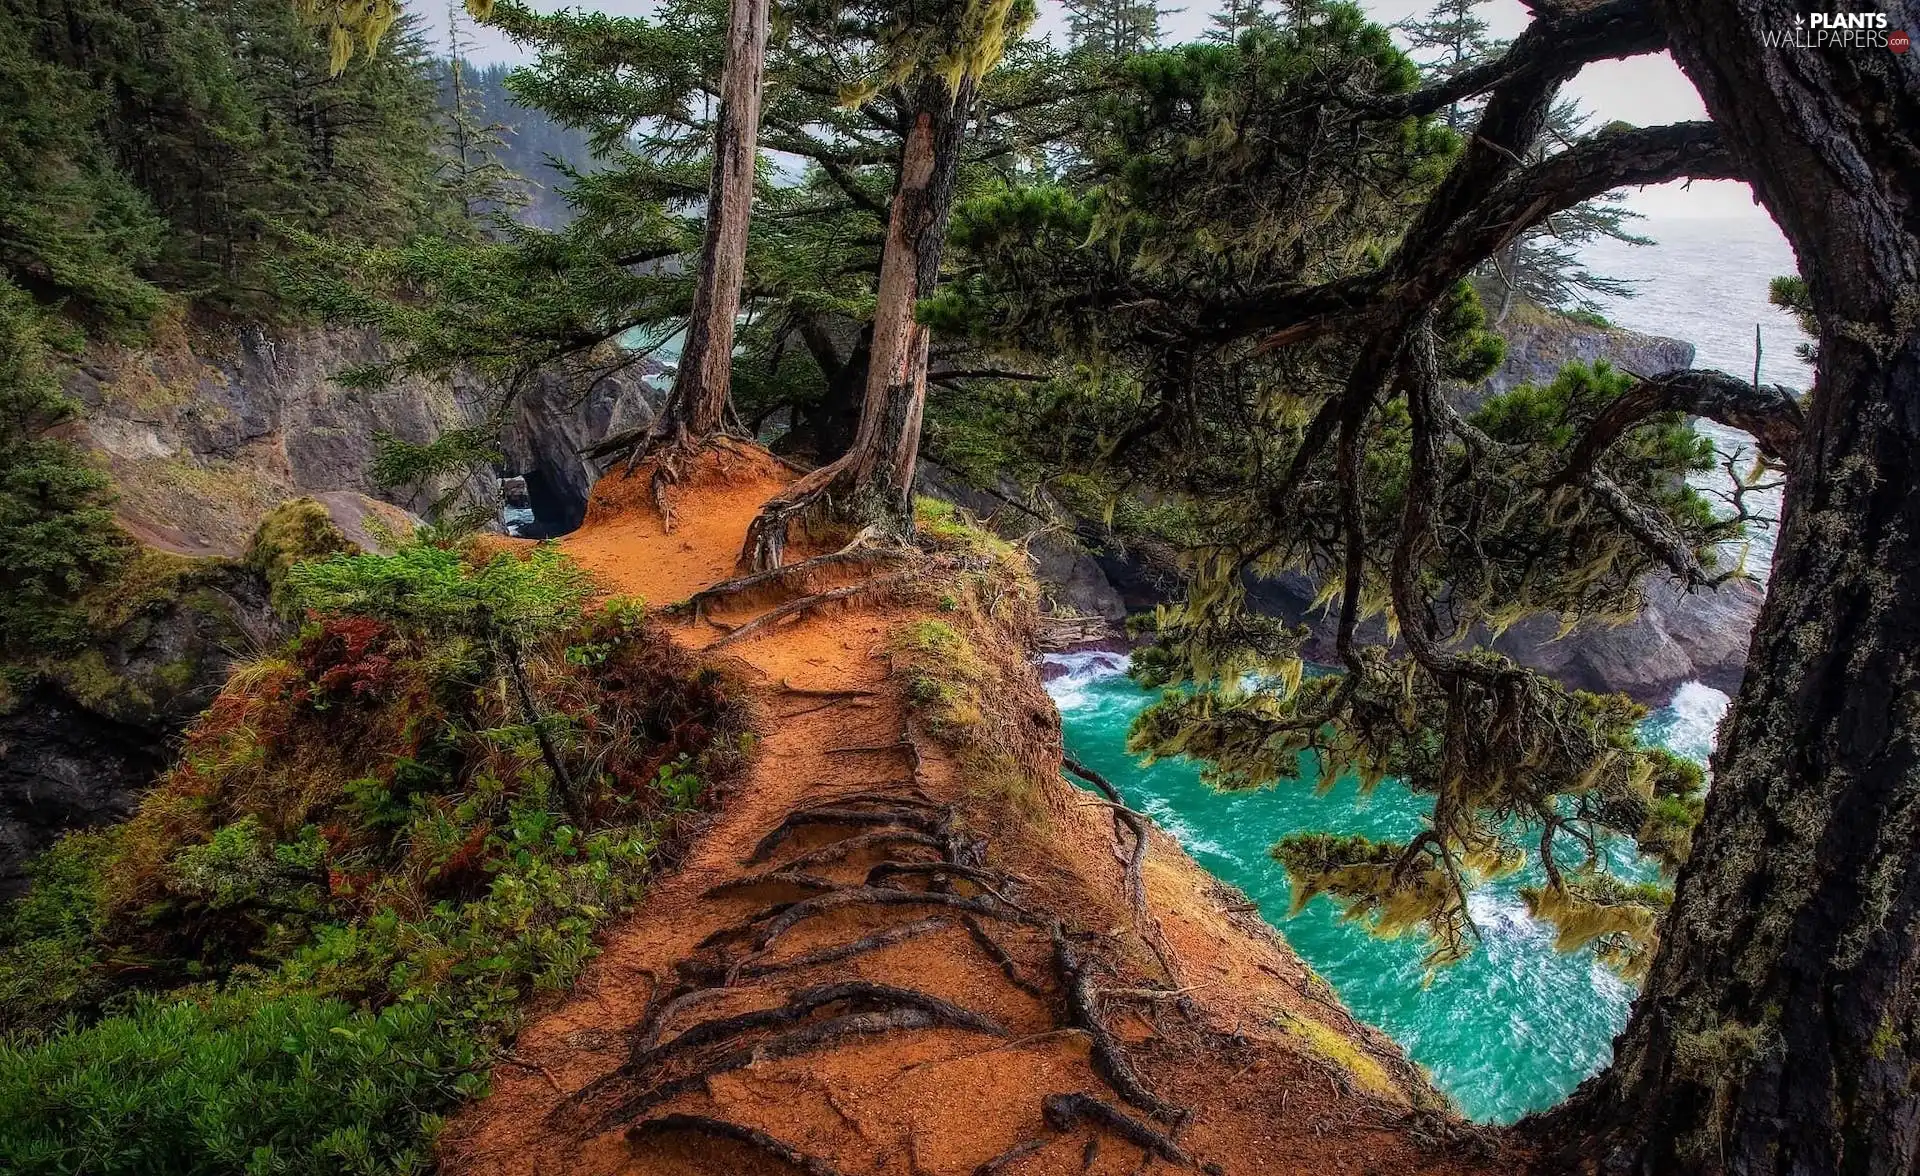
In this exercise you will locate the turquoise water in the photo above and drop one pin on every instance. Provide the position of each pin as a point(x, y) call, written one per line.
point(1510, 1030)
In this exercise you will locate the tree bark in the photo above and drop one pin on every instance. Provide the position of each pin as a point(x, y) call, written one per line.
point(877, 472)
point(1777, 1032)
point(696, 407)
point(887, 444)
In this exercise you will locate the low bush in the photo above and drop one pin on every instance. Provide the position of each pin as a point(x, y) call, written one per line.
point(321, 924)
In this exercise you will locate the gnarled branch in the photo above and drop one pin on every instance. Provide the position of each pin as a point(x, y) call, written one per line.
point(1770, 412)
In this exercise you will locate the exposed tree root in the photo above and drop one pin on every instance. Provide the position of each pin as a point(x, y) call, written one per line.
point(1109, 1058)
point(866, 548)
point(1064, 1112)
point(1007, 964)
point(753, 967)
point(828, 705)
point(1137, 825)
point(990, 882)
point(1011, 1156)
point(783, 876)
point(906, 818)
point(806, 1039)
point(721, 1129)
point(804, 604)
point(646, 1034)
point(766, 544)
point(846, 847)
point(854, 749)
point(788, 687)
point(773, 925)
point(903, 795)
point(807, 1001)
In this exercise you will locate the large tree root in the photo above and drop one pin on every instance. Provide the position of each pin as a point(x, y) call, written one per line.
point(846, 847)
point(866, 548)
point(1064, 1112)
point(782, 876)
point(1009, 967)
point(766, 544)
point(770, 927)
point(903, 817)
point(721, 1129)
point(1109, 1058)
point(903, 796)
point(754, 968)
point(804, 604)
point(1137, 825)
point(805, 1003)
point(990, 882)
point(804, 1040)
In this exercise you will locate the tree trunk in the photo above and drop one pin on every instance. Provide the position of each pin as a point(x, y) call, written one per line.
point(697, 405)
point(1778, 1031)
point(877, 471)
point(887, 444)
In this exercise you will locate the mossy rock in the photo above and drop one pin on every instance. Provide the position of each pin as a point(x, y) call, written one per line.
point(297, 530)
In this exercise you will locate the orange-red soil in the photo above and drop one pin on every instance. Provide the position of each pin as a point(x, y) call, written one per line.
point(1278, 1078)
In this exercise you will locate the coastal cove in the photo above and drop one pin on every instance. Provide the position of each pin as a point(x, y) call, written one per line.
point(1511, 1030)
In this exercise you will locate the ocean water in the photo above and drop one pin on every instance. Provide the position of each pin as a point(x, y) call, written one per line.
point(1512, 1029)
point(1704, 280)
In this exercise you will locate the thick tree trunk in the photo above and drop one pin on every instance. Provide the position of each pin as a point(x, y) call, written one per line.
point(697, 405)
point(887, 443)
point(876, 474)
point(1778, 1031)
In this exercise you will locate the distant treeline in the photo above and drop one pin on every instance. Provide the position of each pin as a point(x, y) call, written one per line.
point(529, 142)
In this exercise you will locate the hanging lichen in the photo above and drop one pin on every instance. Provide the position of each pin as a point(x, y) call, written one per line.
point(356, 26)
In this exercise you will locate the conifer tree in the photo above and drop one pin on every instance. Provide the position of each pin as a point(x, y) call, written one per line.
point(1451, 38)
point(1249, 306)
point(1236, 19)
point(1108, 30)
point(696, 407)
point(473, 174)
point(937, 63)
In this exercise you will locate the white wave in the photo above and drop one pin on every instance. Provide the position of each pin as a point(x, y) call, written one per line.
point(514, 518)
point(1069, 689)
point(1691, 721)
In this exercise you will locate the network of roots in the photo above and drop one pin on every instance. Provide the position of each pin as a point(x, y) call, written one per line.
point(906, 860)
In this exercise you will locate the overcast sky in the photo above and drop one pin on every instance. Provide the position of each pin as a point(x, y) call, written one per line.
point(1643, 91)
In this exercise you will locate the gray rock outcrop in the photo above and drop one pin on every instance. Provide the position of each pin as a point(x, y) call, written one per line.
point(86, 733)
point(204, 432)
point(1539, 344)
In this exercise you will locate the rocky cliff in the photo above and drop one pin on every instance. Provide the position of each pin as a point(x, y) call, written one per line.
point(204, 432)
point(1540, 343)
point(208, 429)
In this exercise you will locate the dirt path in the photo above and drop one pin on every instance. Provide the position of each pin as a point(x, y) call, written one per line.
point(945, 1059)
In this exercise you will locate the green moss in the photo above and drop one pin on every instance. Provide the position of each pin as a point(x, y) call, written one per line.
point(297, 530)
point(941, 522)
point(150, 583)
point(1887, 1039)
point(178, 674)
point(1339, 1049)
point(944, 675)
point(89, 680)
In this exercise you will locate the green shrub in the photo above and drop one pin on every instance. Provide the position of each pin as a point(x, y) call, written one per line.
point(298, 530)
point(313, 936)
point(237, 1083)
